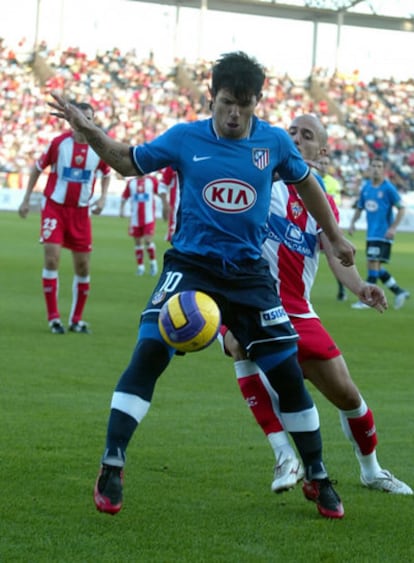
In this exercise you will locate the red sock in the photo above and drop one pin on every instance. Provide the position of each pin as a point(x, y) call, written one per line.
point(139, 255)
point(258, 399)
point(80, 295)
point(364, 432)
point(151, 251)
point(50, 291)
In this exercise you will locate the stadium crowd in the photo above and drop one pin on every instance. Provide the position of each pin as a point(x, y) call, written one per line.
point(135, 100)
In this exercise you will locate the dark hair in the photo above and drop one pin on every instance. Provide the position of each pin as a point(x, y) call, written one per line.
point(83, 106)
point(240, 74)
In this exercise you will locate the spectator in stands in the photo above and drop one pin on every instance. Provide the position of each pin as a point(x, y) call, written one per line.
point(65, 220)
point(136, 101)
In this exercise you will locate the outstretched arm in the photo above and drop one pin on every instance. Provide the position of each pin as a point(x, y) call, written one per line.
point(112, 152)
point(368, 293)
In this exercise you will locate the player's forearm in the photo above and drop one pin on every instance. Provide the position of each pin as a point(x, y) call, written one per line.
point(33, 177)
point(105, 186)
point(348, 276)
point(398, 218)
point(355, 218)
point(112, 152)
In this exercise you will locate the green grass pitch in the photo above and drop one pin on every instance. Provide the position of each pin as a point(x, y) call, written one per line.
point(197, 485)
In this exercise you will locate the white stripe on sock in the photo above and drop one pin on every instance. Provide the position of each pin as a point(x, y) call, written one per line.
point(130, 404)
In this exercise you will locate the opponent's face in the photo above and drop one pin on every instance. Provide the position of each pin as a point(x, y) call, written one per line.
point(231, 116)
point(88, 113)
point(306, 136)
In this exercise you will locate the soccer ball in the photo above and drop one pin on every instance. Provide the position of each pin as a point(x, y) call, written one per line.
point(189, 321)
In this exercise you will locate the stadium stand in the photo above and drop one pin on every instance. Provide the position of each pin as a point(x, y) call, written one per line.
point(135, 100)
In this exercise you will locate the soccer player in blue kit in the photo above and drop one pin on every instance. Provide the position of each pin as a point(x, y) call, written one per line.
point(378, 197)
point(225, 165)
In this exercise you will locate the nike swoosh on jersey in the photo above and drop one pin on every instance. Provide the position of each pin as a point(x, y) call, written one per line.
point(198, 158)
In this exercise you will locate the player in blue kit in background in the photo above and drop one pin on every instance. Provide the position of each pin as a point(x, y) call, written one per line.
point(225, 166)
point(378, 197)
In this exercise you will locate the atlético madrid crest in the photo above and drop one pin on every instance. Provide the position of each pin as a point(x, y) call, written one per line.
point(261, 158)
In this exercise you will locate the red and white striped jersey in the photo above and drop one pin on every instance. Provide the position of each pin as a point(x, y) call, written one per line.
point(73, 168)
point(141, 190)
point(292, 248)
point(169, 185)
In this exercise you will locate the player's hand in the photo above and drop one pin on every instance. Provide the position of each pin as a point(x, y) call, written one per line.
point(232, 347)
point(65, 110)
point(23, 210)
point(97, 206)
point(344, 251)
point(390, 234)
point(374, 296)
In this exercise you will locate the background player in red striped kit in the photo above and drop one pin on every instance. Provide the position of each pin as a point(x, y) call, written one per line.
point(142, 191)
point(65, 219)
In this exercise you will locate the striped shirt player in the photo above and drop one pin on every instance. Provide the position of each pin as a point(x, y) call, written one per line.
point(142, 192)
point(65, 217)
point(73, 171)
point(292, 249)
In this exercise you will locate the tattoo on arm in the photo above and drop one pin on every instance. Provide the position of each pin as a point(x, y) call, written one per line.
point(96, 142)
point(115, 154)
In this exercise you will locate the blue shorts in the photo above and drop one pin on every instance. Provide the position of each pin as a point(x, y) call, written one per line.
point(378, 251)
point(245, 293)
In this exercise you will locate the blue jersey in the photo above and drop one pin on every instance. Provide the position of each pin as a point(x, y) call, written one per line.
point(225, 184)
point(378, 203)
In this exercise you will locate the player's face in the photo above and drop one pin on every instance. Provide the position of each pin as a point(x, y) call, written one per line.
point(231, 116)
point(305, 135)
point(377, 171)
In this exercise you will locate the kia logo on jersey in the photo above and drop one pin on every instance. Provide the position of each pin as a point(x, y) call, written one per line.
point(229, 195)
point(371, 205)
